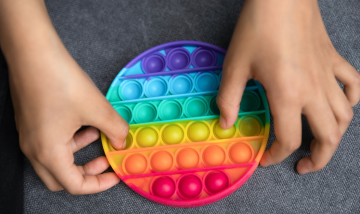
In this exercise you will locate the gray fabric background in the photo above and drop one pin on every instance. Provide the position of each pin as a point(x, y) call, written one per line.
point(103, 36)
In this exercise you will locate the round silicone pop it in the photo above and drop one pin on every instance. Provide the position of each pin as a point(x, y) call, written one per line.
point(176, 152)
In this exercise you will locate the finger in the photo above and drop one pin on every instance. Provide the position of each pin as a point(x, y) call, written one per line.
point(327, 137)
point(340, 106)
point(70, 177)
point(105, 118)
point(95, 166)
point(232, 85)
point(47, 178)
point(84, 138)
point(348, 76)
point(287, 123)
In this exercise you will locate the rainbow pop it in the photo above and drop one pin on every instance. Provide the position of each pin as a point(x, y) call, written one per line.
point(176, 152)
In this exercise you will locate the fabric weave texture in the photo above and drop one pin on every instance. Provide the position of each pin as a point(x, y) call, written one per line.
point(103, 36)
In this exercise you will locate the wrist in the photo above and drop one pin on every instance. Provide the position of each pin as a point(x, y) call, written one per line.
point(26, 33)
point(268, 10)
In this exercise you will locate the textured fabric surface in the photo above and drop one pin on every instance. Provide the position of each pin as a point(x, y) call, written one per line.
point(11, 158)
point(103, 36)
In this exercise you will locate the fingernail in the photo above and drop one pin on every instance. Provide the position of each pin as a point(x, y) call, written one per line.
point(222, 122)
point(263, 161)
point(304, 168)
point(124, 144)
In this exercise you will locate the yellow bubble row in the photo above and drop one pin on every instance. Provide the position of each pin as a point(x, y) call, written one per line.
point(195, 131)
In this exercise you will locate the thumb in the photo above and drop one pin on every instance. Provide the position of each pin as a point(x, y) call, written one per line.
point(232, 85)
point(109, 121)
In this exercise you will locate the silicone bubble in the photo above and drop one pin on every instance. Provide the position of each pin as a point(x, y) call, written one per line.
point(195, 107)
point(172, 134)
point(214, 155)
point(249, 126)
point(130, 90)
point(178, 58)
point(216, 181)
point(187, 158)
point(156, 87)
point(224, 133)
point(202, 57)
point(198, 131)
point(181, 84)
point(190, 186)
point(144, 112)
point(154, 63)
point(206, 81)
point(124, 112)
point(240, 153)
point(163, 187)
point(170, 110)
point(161, 161)
point(250, 101)
point(214, 107)
point(135, 164)
point(147, 137)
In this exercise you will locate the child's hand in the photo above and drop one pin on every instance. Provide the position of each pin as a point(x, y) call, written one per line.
point(285, 46)
point(53, 97)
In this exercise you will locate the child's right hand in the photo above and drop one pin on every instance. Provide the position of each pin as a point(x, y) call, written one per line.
point(53, 97)
point(284, 45)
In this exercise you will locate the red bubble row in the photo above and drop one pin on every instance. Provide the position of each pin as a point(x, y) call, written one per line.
point(190, 186)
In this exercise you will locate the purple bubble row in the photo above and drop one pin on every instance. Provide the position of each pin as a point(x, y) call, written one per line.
point(177, 59)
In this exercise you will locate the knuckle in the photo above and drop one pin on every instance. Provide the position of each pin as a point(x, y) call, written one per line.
point(220, 101)
point(290, 147)
point(356, 80)
point(53, 187)
point(348, 115)
point(124, 130)
point(224, 103)
point(333, 139)
point(73, 190)
point(318, 166)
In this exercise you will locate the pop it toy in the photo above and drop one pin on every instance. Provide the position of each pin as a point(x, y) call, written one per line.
point(176, 152)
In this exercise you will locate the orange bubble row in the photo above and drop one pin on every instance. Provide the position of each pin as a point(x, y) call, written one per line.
point(187, 158)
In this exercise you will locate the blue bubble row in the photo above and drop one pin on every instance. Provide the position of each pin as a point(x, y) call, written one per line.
point(158, 86)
